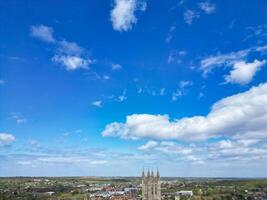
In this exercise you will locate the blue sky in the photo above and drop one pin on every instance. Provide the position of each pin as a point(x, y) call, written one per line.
point(108, 88)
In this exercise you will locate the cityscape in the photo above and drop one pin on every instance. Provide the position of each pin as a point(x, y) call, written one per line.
point(133, 100)
point(145, 187)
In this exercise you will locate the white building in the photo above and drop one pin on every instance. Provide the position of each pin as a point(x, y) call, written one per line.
point(187, 193)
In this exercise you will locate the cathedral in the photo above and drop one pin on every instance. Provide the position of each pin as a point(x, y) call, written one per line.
point(151, 186)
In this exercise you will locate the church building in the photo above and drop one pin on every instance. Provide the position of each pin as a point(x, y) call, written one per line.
point(151, 189)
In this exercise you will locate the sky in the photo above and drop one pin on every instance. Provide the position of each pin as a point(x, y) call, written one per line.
point(107, 88)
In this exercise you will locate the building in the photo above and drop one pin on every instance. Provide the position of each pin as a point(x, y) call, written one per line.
point(186, 193)
point(151, 189)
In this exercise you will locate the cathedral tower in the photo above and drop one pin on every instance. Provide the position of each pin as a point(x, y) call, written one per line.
point(151, 189)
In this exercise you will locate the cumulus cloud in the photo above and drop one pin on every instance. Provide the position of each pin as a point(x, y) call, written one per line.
point(42, 32)
point(149, 145)
point(116, 67)
point(123, 15)
point(72, 62)
point(242, 116)
point(6, 139)
point(70, 48)
point(166, 147)
point(242, 72)
point(190, 16)
point(71, 56)
point(68, 54)
point(235, 150)
point(97, 104)
point(174, 148)
point(207, 7)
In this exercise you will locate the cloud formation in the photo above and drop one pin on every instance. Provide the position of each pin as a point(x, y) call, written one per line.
point(242, 72)
point(149, 145)
point(44, 33)
point(181, 90)
point(6, 139)
point(116, 66)
point(210, 62)
point(242, 116)
point(190, 16)
point(207, 7)
point(72, 62)
point(68, 54)
point(123, 14)
point(97, 104)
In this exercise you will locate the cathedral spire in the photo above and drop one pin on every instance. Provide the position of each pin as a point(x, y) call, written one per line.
point(148, 173)
point(158, 173)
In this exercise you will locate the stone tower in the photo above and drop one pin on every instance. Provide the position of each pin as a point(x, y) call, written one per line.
point(151, 186)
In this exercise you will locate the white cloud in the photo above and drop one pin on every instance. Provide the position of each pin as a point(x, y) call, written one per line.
point(69, 48)
point(184, 83)
point(176, 94)
point(71, 56)
point(207, 7)
point(242, 72)
point(72, 62)
point(122, 97)
point(207, 64)
point(190, 16)
point(68, 54)
point(149, 145)
point(166, 147)
point(235, 150)
point(6, 139)
point(170, 34)
point(193, 159)
point(123, 14)
point(242, 116)
point(44, 33)
point(154, 91)
point(261, 48)
point(181, 91)
point(97, 104)
point(116, 66)
point(173, 148)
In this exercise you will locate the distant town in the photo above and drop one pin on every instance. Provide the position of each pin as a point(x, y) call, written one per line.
point(149, 186)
